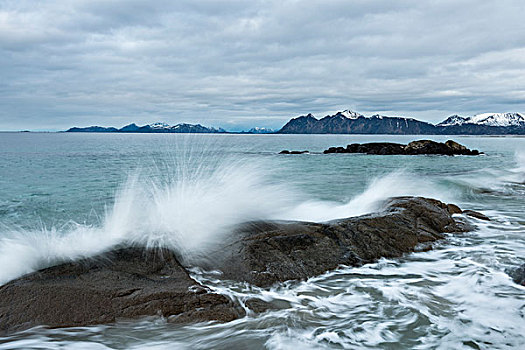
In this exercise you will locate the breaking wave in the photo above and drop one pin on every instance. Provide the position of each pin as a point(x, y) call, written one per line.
point(189, 208)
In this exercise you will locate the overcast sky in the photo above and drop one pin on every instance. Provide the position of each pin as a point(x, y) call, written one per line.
point(238, 64)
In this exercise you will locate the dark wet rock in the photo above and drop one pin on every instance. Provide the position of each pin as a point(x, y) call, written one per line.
point(335, 150)
point(518, 275)
point(135, 282)
point(454, 209)
point(476, 214)
point(125, 283)
point(293, 152)
point(263, 253)
point(259, 306)
point(413, 148)
point(382, 148)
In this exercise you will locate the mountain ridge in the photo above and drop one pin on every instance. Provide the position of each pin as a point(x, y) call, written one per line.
point(158, 127)
point(351, 122)
point(489, 119)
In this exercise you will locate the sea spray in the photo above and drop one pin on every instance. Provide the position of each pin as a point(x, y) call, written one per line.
point(23, 251)
point(189, 208)
point(519, 171)
point(184, 210)
point(502, 181)
point(397, 183)
point(192, 212)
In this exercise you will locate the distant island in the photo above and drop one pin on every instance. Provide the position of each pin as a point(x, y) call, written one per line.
point(166, 128)
point(153, 128)
point(349, 122)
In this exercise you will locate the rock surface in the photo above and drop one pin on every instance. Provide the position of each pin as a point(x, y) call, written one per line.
point(125, 283)
point(518, 275)
point(134, 282)
point(413, 148)
point(477, 215)
point(264, 253)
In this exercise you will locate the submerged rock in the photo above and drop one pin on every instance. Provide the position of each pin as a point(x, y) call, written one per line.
point(125, 283)
point(518, 275)
point(476, 214)
point(413, 148)
point(263, 253)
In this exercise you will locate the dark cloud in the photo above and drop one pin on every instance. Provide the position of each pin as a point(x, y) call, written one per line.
point(238, 64)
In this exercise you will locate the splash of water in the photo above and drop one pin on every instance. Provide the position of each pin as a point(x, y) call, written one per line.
point(189, 209)
point(398, 183)
point(500, 181)
point(519, 172)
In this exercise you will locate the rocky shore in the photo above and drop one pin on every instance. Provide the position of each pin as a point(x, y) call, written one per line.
point(121, 284)
point(133, 282)
point(264, 253)
point(413, 148)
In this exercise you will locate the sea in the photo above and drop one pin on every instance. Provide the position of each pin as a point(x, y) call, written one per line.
point(66, 196)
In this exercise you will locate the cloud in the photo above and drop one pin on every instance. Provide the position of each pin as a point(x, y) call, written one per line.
point(238, 64)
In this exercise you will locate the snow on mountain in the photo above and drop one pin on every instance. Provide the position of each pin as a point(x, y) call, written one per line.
point(260, 130)
point(159, 125)
point(489, 119)
point(453, 120)
point(349, 122)
point(499, 119)
point(349, 114)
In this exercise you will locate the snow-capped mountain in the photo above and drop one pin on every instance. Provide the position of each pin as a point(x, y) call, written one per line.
point(159, 125)
point(488, 119)
point(260, 130)
point(453, 120)
point(153, 128)
point(350, 122)
point(349, 114)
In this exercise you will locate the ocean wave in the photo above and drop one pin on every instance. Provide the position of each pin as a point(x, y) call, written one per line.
point(190, 207)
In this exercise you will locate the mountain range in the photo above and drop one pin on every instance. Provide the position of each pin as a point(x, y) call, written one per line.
point(153, 128)
point(349, 122)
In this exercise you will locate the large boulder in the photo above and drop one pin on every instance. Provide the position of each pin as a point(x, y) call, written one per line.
point(125, 283)
point(134, 282)
point(413, 148)
point(264, 253)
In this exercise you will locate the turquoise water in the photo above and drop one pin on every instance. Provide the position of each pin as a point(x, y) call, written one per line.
point(64, 196)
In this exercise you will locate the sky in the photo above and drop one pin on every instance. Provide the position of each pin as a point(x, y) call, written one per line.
point(240, 64)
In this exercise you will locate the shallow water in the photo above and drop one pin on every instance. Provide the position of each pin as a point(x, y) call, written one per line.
point(65, 196)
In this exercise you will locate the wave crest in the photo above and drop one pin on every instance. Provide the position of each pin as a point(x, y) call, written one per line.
point(189, 209)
